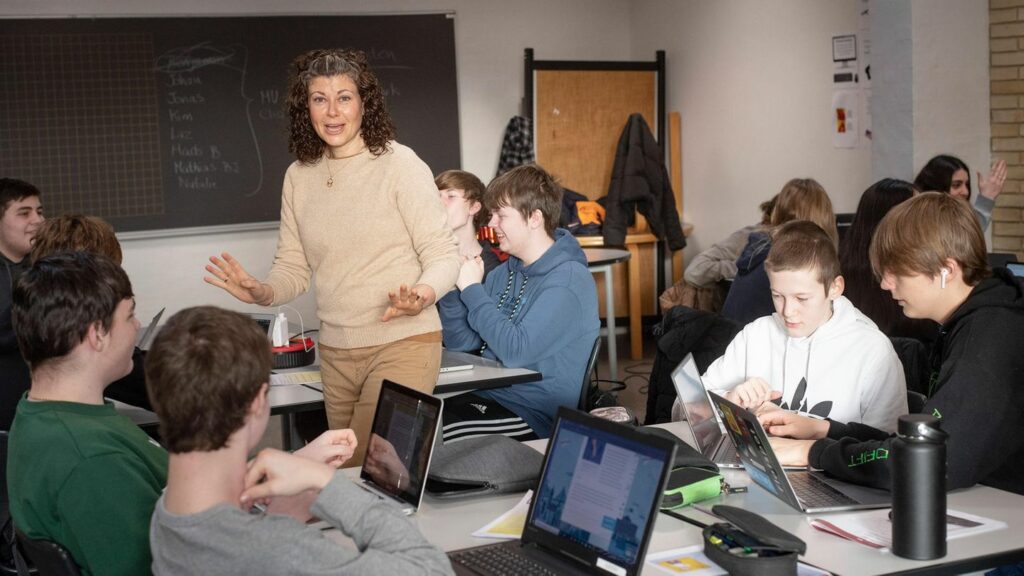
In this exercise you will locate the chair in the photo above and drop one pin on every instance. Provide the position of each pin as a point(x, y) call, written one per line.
point(49, 558)
point(587, 388)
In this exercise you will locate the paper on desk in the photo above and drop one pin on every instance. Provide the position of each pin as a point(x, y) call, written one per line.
point(873, 529)
point(289, 378)
point(691, 561)
point(510, 524)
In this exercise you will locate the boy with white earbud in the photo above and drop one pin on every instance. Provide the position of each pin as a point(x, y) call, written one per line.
point(817, 354)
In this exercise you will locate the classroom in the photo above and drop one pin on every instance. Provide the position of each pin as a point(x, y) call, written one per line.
point(755, 85)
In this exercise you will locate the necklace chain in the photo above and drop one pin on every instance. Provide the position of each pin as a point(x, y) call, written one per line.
point(504, 295)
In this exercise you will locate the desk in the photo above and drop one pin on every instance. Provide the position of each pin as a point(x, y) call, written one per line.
point(600, 260)
point(485, 374)
point(284, 401)
point(448, 524)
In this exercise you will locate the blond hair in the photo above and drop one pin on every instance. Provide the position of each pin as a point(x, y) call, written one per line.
point(920, 234)
point(805, 199)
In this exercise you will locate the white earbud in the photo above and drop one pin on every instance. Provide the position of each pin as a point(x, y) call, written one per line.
point(943, 273)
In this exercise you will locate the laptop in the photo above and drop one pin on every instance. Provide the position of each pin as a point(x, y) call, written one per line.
point(594, 507)
point(805, 490)
point(265, 321)
point(454, 362)
point(147, 337)
point(401, 443)
point(701, 416)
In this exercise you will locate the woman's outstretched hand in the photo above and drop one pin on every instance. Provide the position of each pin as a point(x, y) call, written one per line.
point(229, 275)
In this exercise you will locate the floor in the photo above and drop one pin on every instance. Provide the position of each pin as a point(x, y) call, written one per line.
point(632, 373)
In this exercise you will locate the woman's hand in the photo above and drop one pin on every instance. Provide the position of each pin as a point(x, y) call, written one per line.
point(408, 301)
point(471, 272)
point(992, 185)
point(229, 275)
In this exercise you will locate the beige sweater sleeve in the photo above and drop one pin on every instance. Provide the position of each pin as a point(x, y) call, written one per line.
point(290, 274)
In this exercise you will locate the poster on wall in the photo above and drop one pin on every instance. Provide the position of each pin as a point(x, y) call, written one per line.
point(845, 118)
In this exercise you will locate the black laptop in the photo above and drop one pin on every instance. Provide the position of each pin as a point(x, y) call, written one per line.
point(594, 507)
point(805, 490)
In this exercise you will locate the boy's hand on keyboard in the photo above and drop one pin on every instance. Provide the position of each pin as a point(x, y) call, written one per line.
point(791, 452)
point(790, 425)
point(752, 394)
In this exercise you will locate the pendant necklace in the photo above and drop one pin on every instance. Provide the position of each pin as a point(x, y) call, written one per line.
point(330, 174)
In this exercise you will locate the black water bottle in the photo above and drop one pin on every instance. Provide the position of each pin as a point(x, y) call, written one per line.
point(919, 488)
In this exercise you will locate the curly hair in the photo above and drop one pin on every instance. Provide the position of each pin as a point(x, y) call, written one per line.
point(377, 128)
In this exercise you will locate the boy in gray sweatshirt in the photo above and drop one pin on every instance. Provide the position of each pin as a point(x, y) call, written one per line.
point(207, 376)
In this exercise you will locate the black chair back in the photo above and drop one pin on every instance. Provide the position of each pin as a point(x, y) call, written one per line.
point(586, 388)
point(49, 558)
point(915, 402)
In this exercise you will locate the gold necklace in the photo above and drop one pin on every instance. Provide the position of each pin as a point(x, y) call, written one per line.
point(330, 174)
point(328, 158)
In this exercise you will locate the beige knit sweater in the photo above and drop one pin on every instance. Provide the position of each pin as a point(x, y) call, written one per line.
point(379, 226)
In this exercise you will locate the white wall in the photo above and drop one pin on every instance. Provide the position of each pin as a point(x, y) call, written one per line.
point(752, 81)
point(489, 38)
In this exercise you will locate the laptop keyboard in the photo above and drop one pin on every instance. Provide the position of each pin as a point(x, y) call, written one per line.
point(814, 493)
point(500, 561)
point(727, 454)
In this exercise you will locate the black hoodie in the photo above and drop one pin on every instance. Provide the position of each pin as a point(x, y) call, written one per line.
point(977, 392)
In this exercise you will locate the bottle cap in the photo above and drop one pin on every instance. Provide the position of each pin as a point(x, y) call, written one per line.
point(921, 427)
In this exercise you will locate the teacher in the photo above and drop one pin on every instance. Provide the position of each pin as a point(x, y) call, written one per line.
point(361, 212)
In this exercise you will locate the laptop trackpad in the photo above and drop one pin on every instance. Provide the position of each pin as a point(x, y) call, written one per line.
point(862, 494)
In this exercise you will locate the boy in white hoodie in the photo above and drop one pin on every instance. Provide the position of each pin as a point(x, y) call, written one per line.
point(817, 354)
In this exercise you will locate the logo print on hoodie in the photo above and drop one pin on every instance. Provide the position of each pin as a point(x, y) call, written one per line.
point(822, 409)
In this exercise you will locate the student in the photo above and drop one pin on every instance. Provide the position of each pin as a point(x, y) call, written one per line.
point(861, 286)
point(930, 254)
point(77, 232)
point(213, 408)
point(80, 474)
point(749, 296)
point(20, 216)
point(949, 174)
point(537, 310)
point(817, 354)
point(462, 194)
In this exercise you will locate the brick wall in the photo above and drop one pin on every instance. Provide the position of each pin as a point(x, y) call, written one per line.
point(1006, 46)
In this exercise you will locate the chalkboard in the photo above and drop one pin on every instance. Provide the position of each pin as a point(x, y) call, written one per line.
point(164, 123)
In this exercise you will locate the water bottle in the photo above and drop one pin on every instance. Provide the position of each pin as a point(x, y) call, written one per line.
point(919, 488)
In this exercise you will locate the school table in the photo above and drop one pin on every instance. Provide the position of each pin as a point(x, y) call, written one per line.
point(449, 523)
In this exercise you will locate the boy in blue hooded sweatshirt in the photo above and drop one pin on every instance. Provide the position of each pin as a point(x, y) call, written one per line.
point(538, 310)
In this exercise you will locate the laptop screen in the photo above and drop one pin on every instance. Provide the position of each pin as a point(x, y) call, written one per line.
point(599, 491)
point(699, 412)
point(401, 440)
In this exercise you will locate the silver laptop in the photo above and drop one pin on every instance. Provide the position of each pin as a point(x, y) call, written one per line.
point(805, 490)
point(701, 417)
point(147, 337)
point(454, 362)
point(401, 443)
point(594, 508)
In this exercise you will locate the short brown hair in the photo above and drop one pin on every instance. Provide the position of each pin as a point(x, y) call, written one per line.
point(471, 185)
point(203, 371)
point(803, 245)
point(377, 129)
point(920, 234)
point(805, 199)
point(75, 233)
point(527, 188)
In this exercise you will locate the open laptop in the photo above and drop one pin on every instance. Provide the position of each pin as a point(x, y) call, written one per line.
point(805, 490)
point(401, 443)
point(454, 362)
point(594, 507)
point(701, 416)
point(147, 337)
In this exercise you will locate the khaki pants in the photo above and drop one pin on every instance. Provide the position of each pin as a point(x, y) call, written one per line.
point(352, 380)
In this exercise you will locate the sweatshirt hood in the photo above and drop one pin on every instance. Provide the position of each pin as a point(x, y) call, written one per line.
point(565, 249)
point(754, 253)
point(1001, 290)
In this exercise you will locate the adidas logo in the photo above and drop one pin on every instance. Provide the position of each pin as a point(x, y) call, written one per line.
point(480, 407)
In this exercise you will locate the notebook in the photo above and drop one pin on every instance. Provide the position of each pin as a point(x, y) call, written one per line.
point(804, 490)
point(147, 337)
point(401, 443)
point(594, 507)
point(707, 432)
